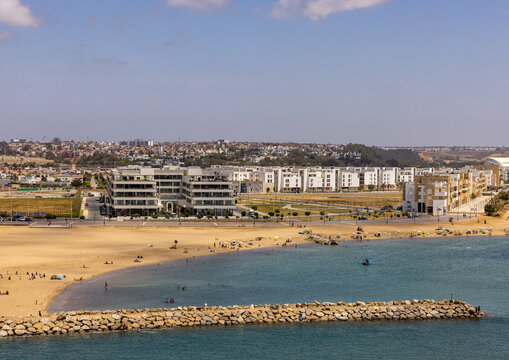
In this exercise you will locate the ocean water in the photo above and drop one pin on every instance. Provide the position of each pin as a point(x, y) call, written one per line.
point(470, 269)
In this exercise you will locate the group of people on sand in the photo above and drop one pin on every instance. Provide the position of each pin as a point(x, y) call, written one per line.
point(31, 276)
point(6, 292)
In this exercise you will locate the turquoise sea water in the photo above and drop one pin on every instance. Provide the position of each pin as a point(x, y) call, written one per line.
point(472, 269)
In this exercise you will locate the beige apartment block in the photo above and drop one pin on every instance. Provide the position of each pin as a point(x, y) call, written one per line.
point(440, 193)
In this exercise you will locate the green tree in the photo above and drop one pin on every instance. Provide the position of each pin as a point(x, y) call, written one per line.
point(76, 183)
point(489, 209)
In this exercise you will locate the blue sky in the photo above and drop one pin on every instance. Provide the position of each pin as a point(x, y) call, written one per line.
point(398, 72)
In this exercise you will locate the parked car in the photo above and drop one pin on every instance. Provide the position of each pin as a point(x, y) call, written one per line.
point(362, 218)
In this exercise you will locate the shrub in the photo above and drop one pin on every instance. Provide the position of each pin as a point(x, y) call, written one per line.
point(271, 213)
point(254, 207)
point(489, 209)
point(243, 213)
point(307, 213)
point(295, 213)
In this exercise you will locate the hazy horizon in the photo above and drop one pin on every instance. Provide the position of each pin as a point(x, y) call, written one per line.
point(377, 72)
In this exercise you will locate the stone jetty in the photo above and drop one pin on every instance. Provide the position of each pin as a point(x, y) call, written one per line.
point(122, 320)
point(322, 239)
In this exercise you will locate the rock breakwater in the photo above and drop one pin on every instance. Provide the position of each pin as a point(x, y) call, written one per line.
point(120, 320)
point(322, 239)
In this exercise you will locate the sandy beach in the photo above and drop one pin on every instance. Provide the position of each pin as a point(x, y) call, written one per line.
point(81, 252)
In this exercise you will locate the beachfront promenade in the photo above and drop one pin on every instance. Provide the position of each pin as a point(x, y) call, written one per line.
point(238, 222)
point(181, 317)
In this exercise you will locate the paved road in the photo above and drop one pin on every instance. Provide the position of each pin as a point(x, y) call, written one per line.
point(241, 223)
point(474, 206)
point(93, 210)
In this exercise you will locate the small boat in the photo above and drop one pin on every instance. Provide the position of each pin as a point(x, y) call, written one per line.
point(366, 262)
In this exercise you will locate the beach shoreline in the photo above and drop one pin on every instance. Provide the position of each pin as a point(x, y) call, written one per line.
point(81, 252)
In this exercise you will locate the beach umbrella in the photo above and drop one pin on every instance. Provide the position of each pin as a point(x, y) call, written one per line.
point(60, 277)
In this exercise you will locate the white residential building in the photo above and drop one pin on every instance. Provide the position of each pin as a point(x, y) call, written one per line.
point(349, 178)
point(406, 175)
point(288, 180)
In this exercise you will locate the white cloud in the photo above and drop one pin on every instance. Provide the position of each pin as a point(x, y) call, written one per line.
point(14, 13)
point(284, 9)
point(200, 5)
point(318, 9)
point(6, 36)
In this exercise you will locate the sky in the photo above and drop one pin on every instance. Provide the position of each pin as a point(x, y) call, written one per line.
point(378, 72)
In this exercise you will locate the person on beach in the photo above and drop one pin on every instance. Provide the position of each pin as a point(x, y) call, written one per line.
point(105, 284)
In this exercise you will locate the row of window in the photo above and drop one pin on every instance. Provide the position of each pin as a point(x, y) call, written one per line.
point(135, 202)
point(134, 194)
point(213, 202)
point(134, 186)
point(169, 183)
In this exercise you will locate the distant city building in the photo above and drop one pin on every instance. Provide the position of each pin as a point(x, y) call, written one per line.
point(503, 162)
point(139, 142)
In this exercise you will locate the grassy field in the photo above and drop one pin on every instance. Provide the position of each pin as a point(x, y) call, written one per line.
point(288, 209)
point(57, 206)
point(22, 160)
point(361, 199)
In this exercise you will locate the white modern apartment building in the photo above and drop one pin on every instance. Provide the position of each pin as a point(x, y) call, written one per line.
point(348, 178)
point(206, 192)
point(288, 180)
point(131, 191)
point(310, 179)
point(406, 175)
point(388, 176)
point(144, 191)
point(318, 179)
